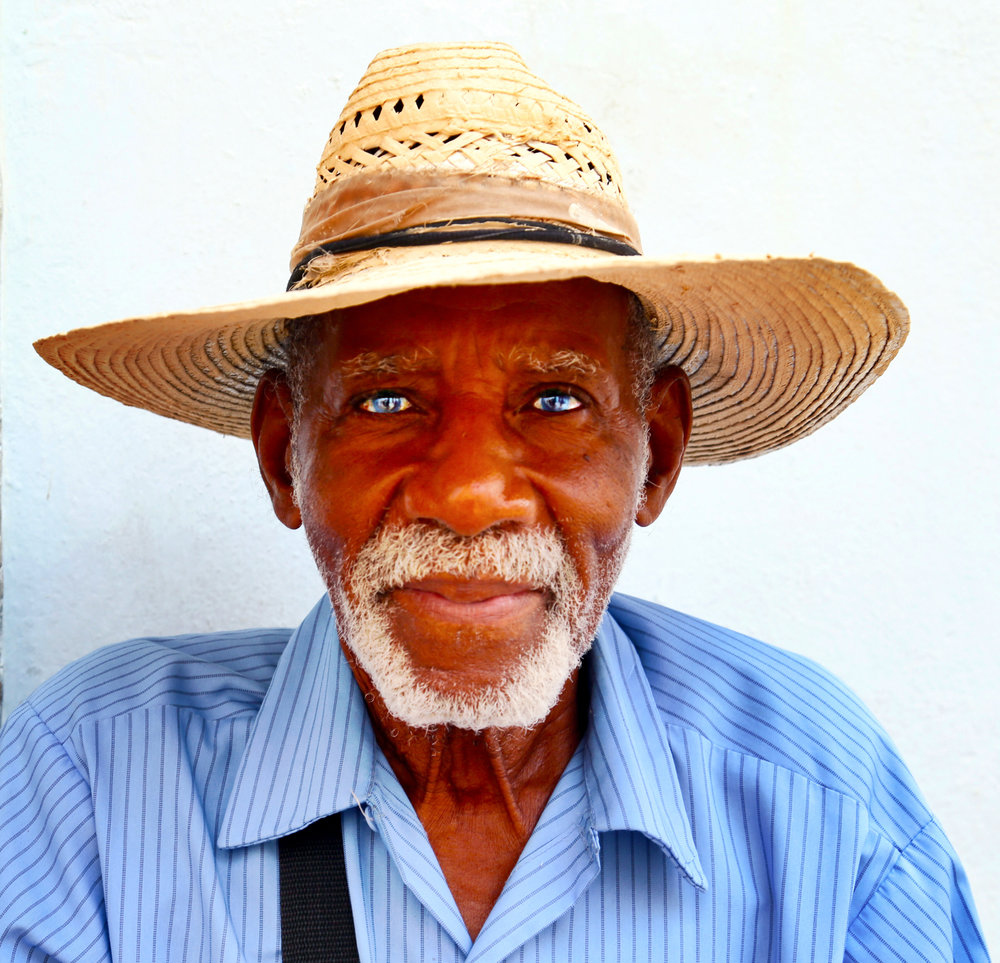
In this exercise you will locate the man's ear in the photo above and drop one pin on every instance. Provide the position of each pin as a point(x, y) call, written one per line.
point(669, 420)
point(271, 429)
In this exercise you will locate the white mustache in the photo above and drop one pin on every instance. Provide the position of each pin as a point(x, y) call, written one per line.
point(396, 556)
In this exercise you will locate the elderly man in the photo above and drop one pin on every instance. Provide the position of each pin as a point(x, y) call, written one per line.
point(471, 750)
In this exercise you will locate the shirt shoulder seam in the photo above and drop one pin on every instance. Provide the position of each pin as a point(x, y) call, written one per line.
point(898, 853)
point(29, 705)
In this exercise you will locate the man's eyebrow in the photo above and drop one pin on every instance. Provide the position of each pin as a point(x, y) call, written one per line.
point(369, 363)
point(564, 361)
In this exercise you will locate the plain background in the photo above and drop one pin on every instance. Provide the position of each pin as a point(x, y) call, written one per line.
point(157, 156)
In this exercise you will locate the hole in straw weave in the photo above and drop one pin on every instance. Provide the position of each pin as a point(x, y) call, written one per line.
point(376, 113)
point(398, 106)
point(419, 101)
point(357, 118)
point(342, 126)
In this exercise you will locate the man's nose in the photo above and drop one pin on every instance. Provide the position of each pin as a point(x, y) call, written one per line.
point(472, 475)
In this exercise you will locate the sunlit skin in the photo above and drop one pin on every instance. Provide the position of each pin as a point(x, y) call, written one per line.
point(472, 408)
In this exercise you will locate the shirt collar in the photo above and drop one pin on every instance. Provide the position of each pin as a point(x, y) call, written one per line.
point(311, 749)
point(628, 764)
point(313, 721)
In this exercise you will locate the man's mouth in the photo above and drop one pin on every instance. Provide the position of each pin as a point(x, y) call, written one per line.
point(454, 599)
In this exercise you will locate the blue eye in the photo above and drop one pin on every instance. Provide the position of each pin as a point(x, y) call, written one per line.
point(385, 403)
point(556, 401)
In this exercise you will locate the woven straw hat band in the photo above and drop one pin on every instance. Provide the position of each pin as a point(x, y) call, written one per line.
point(459, 132)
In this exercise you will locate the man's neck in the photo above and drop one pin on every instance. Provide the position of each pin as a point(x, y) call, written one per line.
point(499, 768)
point(478, 795)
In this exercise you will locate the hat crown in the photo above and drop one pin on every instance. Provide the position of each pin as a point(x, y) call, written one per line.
point(472, 108)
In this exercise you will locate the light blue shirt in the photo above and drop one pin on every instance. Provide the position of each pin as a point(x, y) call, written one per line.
point(729, 802)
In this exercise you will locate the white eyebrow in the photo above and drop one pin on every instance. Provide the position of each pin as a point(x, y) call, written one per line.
point(564, 361)
point(372, 363)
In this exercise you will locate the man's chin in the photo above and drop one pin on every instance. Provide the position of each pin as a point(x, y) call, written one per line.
point(488, 707)
point(520, 694)
point(520, 702)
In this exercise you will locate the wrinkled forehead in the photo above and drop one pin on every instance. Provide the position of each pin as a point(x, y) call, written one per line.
point(567, 324)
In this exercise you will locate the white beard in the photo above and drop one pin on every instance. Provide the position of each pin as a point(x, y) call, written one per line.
point(526, 693)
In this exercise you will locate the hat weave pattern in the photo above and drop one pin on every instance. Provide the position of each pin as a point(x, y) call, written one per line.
point(465, 108)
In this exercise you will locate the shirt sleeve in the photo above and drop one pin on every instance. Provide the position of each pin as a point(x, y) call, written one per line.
point(51, 893)
point(922, 910)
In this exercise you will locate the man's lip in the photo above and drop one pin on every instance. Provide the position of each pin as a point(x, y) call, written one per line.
point(461, 599)
point(468, 590)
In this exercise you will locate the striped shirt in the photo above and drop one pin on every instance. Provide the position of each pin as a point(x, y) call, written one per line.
point(729, 802)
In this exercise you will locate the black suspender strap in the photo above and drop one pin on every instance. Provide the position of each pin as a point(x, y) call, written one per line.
point(317, 925)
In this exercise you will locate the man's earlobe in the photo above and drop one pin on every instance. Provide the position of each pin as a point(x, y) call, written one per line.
point(669, 420)
point(271, 429)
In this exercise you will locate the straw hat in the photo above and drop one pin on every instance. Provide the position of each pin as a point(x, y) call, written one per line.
point(453, 164)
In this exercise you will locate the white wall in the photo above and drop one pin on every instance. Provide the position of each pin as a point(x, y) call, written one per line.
point(157, 155)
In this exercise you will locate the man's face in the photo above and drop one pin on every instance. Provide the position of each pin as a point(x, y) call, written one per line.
point(467, 464)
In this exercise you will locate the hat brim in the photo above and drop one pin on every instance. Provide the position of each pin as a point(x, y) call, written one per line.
point(774, 347)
